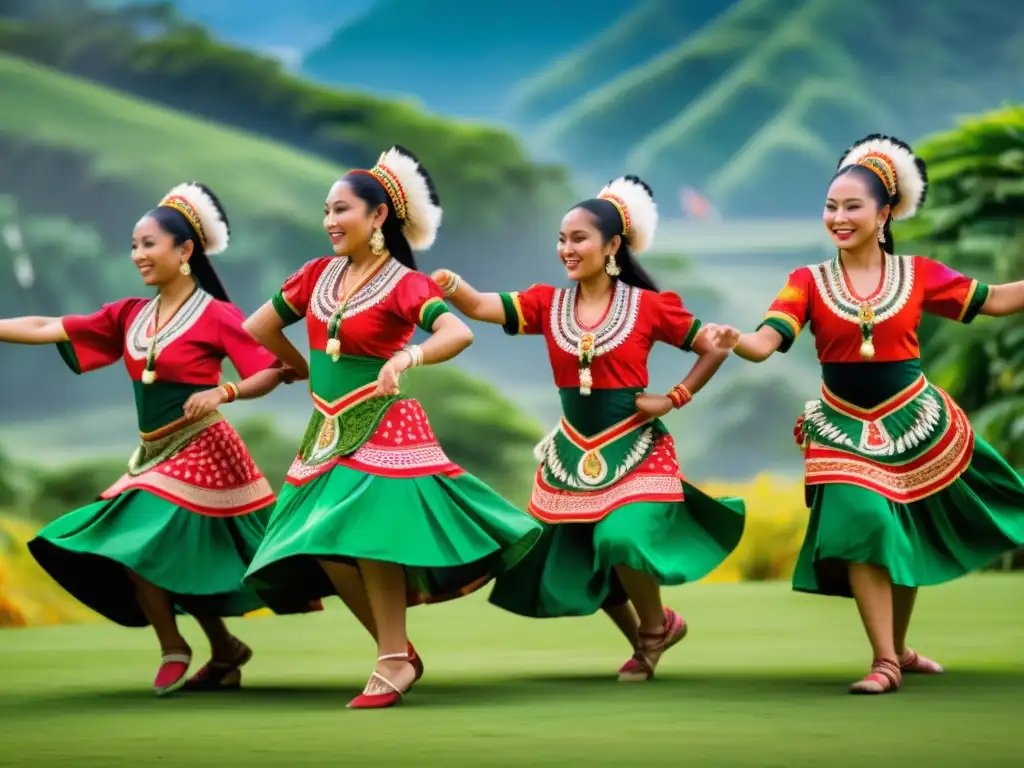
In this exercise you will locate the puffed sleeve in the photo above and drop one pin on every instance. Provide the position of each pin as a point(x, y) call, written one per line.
point(948, 293)
point(97, 340)
point(525, 310)
point(292, 301)
point(418, 300)
point(248, 357)
point(789, 312)
point(673, 323)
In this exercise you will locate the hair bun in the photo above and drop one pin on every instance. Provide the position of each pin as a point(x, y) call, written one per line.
point(908, 169)
point(635, 199)
point(197, 203)
point(421, 203)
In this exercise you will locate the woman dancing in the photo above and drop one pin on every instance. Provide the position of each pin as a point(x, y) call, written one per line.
point(176, 533)
point(372, 508)
point(902, 492)
point(619, 519)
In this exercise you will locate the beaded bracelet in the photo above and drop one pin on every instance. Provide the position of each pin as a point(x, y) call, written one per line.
point(679, 395)
point(451, 284)
point(415, 352)
point(231, 390)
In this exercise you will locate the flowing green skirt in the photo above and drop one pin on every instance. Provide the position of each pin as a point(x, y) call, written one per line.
point(452, 535)
point(198, 559)
point(571, 572)
point(955, 531)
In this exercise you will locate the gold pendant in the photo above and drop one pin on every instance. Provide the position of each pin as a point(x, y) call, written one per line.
point(592, 467)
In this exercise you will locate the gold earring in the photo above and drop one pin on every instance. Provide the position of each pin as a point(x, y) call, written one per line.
point(612, 268)
point(185, 268)
point(377, 242)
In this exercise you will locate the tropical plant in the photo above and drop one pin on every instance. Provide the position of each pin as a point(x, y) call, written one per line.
point(972, 222)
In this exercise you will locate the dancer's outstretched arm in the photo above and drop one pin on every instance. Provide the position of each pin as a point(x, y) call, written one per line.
point(33, 330)
point(485, 307)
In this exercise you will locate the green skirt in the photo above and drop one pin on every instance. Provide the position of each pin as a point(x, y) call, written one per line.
point(955, 531)
point(198, 559)
point(452, 535)
point(571, 572)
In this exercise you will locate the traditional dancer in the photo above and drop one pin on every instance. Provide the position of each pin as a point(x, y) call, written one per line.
point(372, 508)
point(619, 519)
point(176, 533)
point(902, 492)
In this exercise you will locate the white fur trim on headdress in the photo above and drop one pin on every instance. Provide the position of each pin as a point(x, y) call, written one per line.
point(911, 182)
point(213, 228)
point(422, 216)
point(641, 211)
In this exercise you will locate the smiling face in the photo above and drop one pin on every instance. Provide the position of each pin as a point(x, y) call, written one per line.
point(154, 253)
point(581, 246)
point(349, 220)
point(852, 212)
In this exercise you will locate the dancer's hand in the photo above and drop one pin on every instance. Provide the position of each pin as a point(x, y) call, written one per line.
point(204, 403)
point(387, 379)
point(722, 336)
point(289, 375)
point(440, 276)
point(655, 406)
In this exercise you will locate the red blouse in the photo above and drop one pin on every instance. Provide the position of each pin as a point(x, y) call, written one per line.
point(911, 285)
point(379, 318)
point(635, 320)
point(190, 348)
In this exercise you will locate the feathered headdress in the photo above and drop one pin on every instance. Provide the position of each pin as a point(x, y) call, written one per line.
point(635, 203)
point(195, 204)
point(895, 163)
point(411, 193)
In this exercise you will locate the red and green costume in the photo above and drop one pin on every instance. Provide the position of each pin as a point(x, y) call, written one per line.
point(190, 512)
point(370, 479)
point(894, 473)
point(609, 490)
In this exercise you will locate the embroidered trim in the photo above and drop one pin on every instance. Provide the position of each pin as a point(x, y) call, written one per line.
point(616, 328)
point(324, 300)
point(897, 287)
point(591, 471)
point(936, 469)
point(137, 340)
point(554, 506)
point(204, 501)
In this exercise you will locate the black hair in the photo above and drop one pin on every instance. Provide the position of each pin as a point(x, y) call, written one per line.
point(876, 187)
point(174, 223)
point(609, 224)
point(373, 193)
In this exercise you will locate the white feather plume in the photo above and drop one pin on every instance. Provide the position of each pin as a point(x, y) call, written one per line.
point(910, 182)
point(214, 226)
point(422, 217)
point(643, 211)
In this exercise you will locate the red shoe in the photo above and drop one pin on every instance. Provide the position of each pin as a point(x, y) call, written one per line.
point(641, 666)
point(911, 662)
point(220, 675)
point(171, 674)
point(417, 663)
point(380, 692)
point(885, 677)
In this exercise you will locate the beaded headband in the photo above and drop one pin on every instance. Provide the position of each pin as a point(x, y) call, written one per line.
point(882, 166)
point(389, 180)
point(184, 207)
point(620, 206)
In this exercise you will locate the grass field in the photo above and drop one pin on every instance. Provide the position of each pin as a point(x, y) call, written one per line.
point(761, 681)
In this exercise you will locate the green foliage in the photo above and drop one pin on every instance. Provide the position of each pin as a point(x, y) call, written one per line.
point(973, 223)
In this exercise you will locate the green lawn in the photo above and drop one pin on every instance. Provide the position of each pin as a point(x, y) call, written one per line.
point(761, 681)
